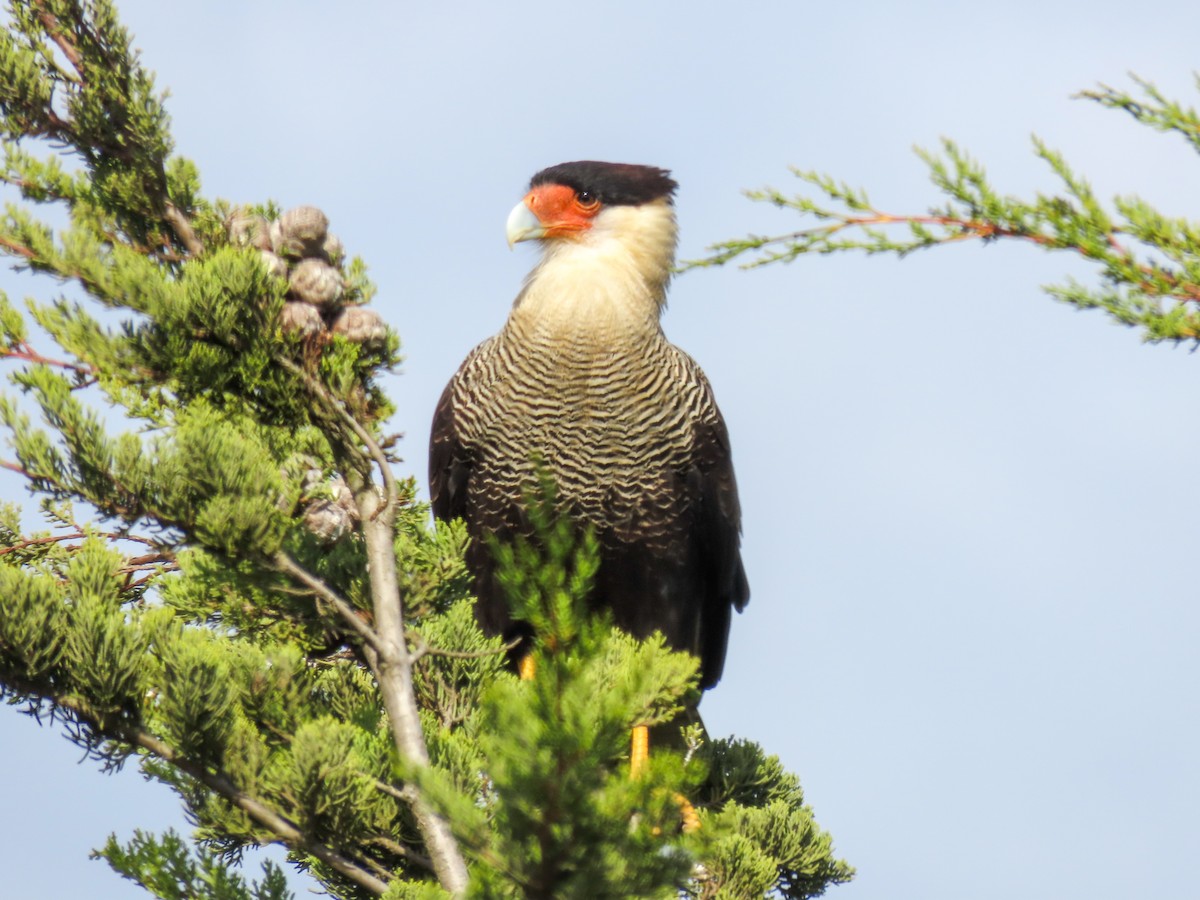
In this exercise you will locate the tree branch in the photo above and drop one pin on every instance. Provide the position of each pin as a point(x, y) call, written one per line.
point(424, 649)
point(13, 247)
point(288, 566)
point(393, 669)
point(959, 228)
point(261, 813)
point(79, 535)
point(50, 23)
point(388, 654)
point(23, 351)
point(287, 832)
point(183, 228)
point(395, 847)
point(338, 408)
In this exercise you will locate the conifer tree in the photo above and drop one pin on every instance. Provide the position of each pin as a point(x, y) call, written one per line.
point(1149, 263)
point(234, 590)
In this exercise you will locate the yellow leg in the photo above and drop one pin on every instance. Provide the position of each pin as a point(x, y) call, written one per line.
point(527, 667)
point(639, 756)
point(639, 750)
point(691, 818)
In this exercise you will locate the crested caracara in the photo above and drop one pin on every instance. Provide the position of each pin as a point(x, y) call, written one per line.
point(582, 382)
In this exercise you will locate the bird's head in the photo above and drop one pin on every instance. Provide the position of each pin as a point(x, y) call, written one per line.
point(570, 200)
point(601, 211)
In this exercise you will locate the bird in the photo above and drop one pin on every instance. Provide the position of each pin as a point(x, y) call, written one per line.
point(582, 383)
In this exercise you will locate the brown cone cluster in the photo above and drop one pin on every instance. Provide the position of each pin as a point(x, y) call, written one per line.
point(298, 247)
point(329, 510)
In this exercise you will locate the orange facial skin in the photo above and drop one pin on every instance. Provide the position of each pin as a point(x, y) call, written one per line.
point(562, 212)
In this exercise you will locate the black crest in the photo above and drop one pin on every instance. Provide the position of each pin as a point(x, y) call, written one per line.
point(613, 184)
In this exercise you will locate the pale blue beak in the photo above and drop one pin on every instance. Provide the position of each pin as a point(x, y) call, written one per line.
point(523, 225)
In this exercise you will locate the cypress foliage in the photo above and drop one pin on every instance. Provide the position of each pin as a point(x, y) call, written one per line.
point(1149, 263)
point(237, 593)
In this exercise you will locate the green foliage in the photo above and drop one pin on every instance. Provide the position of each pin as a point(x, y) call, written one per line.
point(165, 867)
point(104, 107)
point(761, 837)
point(183, 607)
point(1149, 263)
point(567, 818)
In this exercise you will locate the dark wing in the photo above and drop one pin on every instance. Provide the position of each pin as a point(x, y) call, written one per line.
point(451, 470)
point(717, 539)
point(683, 576)
point(449, 467)
point(450, 461)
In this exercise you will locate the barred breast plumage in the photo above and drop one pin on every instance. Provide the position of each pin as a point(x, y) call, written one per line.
point(582, 381)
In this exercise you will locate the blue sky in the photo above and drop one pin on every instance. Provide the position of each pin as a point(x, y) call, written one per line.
point(969, 511)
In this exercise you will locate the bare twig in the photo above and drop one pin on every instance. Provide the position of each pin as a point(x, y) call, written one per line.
point(18, 468)
point(78, 535)
point(150, 558)
point(403, 852)
point(405, 794)
point(424, 649)
point(50, 23)
point(183, 228)
point(13, 247)
point(288, 566)
point(336, 406)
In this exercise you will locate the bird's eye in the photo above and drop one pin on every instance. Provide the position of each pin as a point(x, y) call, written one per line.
point(586, 198)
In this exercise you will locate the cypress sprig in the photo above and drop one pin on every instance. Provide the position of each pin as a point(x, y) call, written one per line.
point(1149, 264)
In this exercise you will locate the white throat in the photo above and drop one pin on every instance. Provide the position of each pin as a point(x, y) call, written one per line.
point(612, 278)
